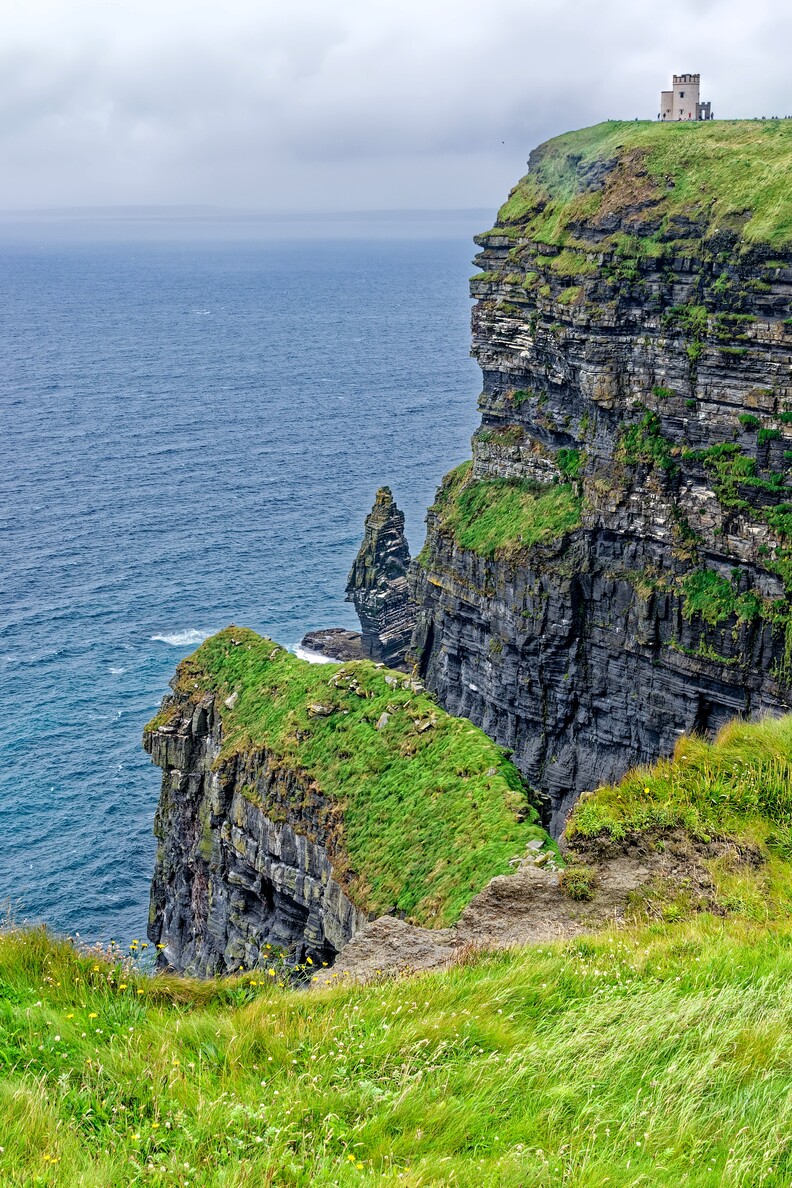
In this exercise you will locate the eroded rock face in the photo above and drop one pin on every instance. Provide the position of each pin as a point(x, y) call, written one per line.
point(243, 859)
point(623, 371)
point(377, 584)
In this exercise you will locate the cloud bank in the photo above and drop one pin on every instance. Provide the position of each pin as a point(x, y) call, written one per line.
point(351, 105)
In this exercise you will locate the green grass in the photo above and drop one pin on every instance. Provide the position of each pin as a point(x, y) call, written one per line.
point(738, 786)
point(652, 1056)
point(716, 599)
point(733, 173)
point(645, 444)
point(505, 517)
point(422, 816)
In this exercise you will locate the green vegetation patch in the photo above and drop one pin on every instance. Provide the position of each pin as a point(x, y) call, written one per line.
point(716, 598)
point(645, 443)
point(505, 517)
point(658, 1055)
point(739, 786)
point(430, 809)
point(731, 174)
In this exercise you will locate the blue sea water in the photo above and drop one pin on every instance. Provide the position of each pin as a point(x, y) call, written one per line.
point(191, 435)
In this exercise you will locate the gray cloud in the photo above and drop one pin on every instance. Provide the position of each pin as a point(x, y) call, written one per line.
point(349, 105)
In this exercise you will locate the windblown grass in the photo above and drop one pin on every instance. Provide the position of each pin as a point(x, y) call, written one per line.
point(661, 1056)
point(740, 785)
point(428, 807)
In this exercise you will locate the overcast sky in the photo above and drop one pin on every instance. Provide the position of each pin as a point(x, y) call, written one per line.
point(335, 105)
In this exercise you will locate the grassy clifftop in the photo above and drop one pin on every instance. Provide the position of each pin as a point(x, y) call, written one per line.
point(429, 807)
point(732, 174)
point(503, 517)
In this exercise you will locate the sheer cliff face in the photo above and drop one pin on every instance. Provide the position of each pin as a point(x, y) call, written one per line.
point(635, 353)
point(243, 861)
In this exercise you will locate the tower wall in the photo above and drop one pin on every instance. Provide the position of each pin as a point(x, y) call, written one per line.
point(687, 96)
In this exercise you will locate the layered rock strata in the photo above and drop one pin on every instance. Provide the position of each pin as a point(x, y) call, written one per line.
point(235, 882)
point(377, 584)
point(636, 354)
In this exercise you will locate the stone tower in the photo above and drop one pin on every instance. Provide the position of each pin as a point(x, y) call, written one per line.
point(684, 101)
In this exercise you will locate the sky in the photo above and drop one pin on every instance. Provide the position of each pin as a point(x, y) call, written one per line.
point(346, 105)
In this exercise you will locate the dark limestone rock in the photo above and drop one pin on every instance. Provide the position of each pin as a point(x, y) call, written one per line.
point(377, 584)
point(336, 643)
point(585, 654)
point(243, 856)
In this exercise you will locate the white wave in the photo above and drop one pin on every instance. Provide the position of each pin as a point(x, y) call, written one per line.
point(313, 657)
point(117, 671)
point(181, 639)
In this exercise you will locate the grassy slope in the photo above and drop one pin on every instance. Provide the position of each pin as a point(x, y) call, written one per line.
point(654, 1056)
point(737, 788)
point(429, 816)
point(504, 517)
point(657, 1054)
point(727, 168)
point(740, 785)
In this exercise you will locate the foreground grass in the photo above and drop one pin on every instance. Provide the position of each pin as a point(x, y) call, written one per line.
point(734, 170)
point(424, 808)
point(504, 517)
point(657, 1056)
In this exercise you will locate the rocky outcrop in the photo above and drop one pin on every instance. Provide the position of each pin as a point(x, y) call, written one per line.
point(243, 861)
point(639, 357)
point(301, 800)
point(334, 643)
point(377, 584)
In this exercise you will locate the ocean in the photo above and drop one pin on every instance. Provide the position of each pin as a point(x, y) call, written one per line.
point(192, 434)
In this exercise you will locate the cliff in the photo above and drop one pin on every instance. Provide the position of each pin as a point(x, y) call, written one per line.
point(614, 566)
point(299, 801)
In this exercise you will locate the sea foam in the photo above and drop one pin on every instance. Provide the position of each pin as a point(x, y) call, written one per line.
point(313, 657)
point(182, 639)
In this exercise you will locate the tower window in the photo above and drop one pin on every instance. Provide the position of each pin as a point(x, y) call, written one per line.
point(681, 94)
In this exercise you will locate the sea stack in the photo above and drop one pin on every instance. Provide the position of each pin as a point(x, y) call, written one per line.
point(377, 584)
